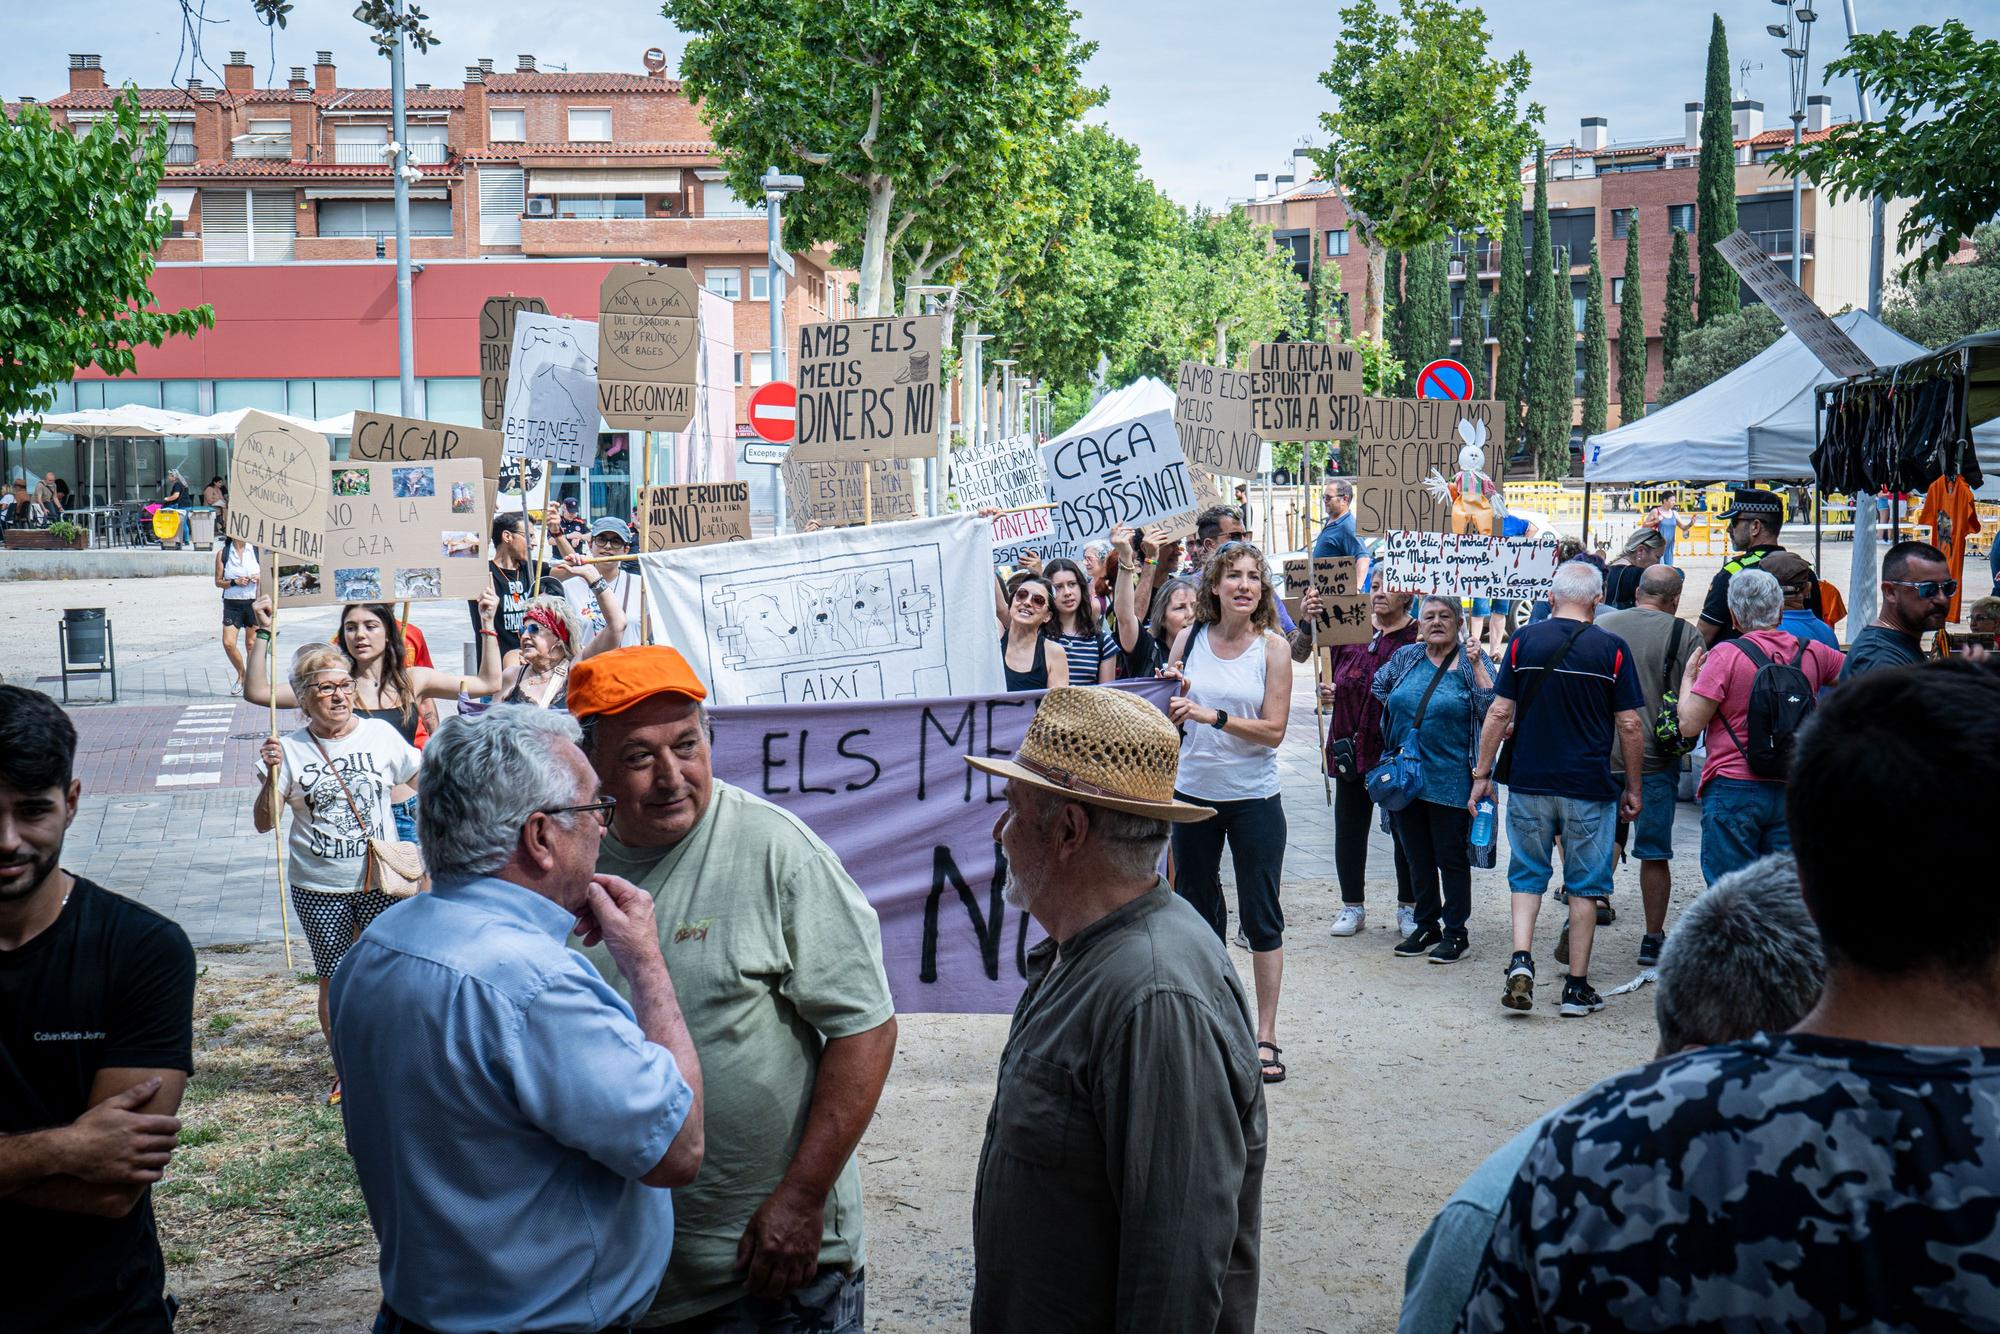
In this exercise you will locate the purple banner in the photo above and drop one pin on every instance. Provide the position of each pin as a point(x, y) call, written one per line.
point(886, 785)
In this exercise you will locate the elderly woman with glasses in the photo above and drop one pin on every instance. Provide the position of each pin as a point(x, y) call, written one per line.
point(336, 775)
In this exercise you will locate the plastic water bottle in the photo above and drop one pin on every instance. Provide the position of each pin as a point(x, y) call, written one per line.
point(1479, 844)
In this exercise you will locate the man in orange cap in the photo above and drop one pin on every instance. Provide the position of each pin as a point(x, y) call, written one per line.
point(777, 959)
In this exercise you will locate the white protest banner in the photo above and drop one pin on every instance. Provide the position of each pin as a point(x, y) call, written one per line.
point(1814, 327)
point(1213, 416)
point(278, 486)
point(868, 389)
point(1303, 391)
point(380, 438)
point(1457, 565)
point(829, 491)
point(1344, 610)
point(395, 532)
point(696, 515)
point(552, 391)
point(648, 334)
point(1017, 532)
point(998, 474)
point(496, 350)
point(893, 611)
point(1129, 472)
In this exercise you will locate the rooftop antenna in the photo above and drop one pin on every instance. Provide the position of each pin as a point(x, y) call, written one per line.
point(1743, 68)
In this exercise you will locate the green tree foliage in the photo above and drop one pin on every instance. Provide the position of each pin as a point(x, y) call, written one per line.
point(1510, 321)
point(1596, 353)
point(920, 122)
point(1425, 127)
point(1678, 316)
point(1472, 333)
point(1711, 351)
point(79, 226)
point(1427, 306)
point(1934, 145)
point(1715, 189)
point(1219, 287)
point(1632, 334)
point(1953, 301)
point(1551, 365)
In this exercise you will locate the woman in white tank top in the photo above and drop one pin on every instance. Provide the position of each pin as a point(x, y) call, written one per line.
point(1237, 697)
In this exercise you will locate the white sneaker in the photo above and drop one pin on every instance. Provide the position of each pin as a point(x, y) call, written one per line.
point(1349, 920)
point(1406, 919)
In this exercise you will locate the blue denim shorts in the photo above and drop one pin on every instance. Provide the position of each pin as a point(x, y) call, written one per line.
point(1491, 606)
point(406, 818)
point(1653, 835)
point(1588, 830)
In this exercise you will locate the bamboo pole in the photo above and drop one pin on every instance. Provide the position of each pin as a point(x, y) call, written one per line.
point(867, 492)
point(277, 823)
point(645, 527)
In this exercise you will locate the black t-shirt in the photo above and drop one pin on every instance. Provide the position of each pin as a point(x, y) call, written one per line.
point(1621, 586)
point(110, 984)
point(1715, 608)
point(511, 587)
point(1147, 656)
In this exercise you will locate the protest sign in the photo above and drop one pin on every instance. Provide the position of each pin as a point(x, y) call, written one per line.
point(886, 786)
point(998, 474)
point(395, 532)
point(1303, 391)
point(496, 350)
point(1212, 414)
point(380, 438)
point(696, 515)
point(1389, 492)
point(896, 611)
point(648, 332)
point(552, 391)
point(828, 491)
point(1424, 421)
point(868, 389)
point(1128, 472)
point(1457, 565)
point(278, 486)
point(1343, 615)
point(1017, 532)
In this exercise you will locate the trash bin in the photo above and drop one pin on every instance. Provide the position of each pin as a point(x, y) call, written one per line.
point(83, 635)
point(201, 528)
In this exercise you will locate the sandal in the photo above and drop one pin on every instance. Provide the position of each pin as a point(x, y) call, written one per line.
point(1274, 1064)
point(333, 1094)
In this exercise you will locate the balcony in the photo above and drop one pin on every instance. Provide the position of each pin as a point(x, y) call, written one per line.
point(262, 146)
point(422, 154)
point(1778, 243)
point(642, 236)
point(374, 245)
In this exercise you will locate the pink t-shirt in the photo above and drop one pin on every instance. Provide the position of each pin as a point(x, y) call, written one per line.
point(1725, 677)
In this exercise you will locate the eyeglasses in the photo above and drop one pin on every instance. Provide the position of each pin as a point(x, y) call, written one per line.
point(605, 807)
point(1928, 588)
point(329, 689)
point(1032, 598)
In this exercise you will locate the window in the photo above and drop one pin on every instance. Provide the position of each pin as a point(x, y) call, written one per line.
point(360, 143)
point(1336, 243)
point(1300, 244)
point(1576, 302)
point(1617, 291)
point(590, 124)
point(600, 206)
point(725, 283)
point(719, 201)
point(760, 368)
point(428, 143)
point(377, 217)
point(1681, 216)
point(760, 284)
point(180, 143)
point(501, 199)
point(242, 225)
point(507, 125)
point(739, 368)
point(1621, 223)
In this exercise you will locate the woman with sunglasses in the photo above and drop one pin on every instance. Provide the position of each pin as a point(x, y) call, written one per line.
point(1236, 699)
point(336, 775)
point(550, 633)
point(1027, 654)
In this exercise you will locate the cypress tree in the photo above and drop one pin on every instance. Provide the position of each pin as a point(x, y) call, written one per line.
point(1632, 335)
point(1426, 307)
point(1715, 192)
point(1472, 333)
point(1394, 326)
point(1678, 317)
point(1596, 352)
point(1510, 318)
point(1551, 366)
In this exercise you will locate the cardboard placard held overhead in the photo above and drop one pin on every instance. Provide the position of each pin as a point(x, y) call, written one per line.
point(1425, 421)
point(552, 391)
point(1129, 472)
point(1303, 391)
point(1017, 532)
point(1212, 413)
point(1389, 493)
point(648, 331)
point(1814, 327)
point(998, 474)
point(496, 351)
point(380, 438)
point(696, 515)
point(1343, 615)
point(868, 389)
point(395, 532)
point(1518, 568)
point(278, 486)
point(828, 491)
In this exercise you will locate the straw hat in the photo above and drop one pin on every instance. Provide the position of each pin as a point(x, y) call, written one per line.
point(1102, 747)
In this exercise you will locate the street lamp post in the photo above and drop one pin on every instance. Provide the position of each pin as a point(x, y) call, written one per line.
point(913, 295)
point(402, 171)
point(1009, 428)
point(1796, 34)
point(776, 187)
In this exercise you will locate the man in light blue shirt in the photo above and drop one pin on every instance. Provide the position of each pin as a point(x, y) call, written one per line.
point(514, 1123)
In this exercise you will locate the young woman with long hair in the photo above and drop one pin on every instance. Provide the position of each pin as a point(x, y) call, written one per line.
point(1031, 659)
point(1092, 656)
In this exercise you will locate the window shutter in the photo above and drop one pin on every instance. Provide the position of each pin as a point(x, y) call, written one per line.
point(501, 199)
point(273, 223)
point(225, 227)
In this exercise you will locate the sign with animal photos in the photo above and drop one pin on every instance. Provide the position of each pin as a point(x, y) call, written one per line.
point(380, 438)
point(1303, 391)
point(1212, 413)
point(1343, 607)
point(828, 491)
point(278, 486)
point(395, 532)
point(496, 351)
point(648, 334)
point(868, 389)
point(696, 515)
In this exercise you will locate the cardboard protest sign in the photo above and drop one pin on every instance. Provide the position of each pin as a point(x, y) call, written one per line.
point(496, 351)
point(1389, 492)
point(895, 611)
point(1424, 421)
point(998, 474)
point(1457, 565)
point(278, 486)
point(696, 515)
point(828, 491)
point(1128, 472)
point(1017, 532)
point(552, 391)
point(1303, 391)
point(648, 331)
point(1343, 615)
point(380, 438)
point(1213, 415)
point(395, 532)
point(868, 389)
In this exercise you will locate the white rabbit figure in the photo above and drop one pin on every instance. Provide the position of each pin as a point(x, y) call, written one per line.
point(1476, 501)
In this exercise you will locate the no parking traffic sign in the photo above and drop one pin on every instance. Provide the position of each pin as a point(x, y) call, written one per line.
point(1444, 379)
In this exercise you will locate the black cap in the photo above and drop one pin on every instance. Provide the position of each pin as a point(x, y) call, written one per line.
point(1754, 504)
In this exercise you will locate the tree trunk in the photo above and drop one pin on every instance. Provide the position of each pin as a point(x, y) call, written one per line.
point(1371, 301)
point(875, 248)
point(1221, 343)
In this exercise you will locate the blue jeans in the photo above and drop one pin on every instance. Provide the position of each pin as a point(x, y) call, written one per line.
point(406, 818)
point(1589, 835)
point(1653, 835)
point(1741, 820)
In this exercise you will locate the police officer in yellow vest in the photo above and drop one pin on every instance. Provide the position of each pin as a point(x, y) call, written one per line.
point(1755, 518)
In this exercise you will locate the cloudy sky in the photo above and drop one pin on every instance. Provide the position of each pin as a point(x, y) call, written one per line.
point(1212, 91)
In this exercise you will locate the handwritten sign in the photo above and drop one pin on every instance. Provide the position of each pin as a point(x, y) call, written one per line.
point(1389, 492)
point(552, 391)
point(648, 333)
point(1424, 421)
point(1303, 391)
point(1217, 426)
point(1017, 532)
point(998, 474)
point(496, 351)
point(1130, 472)
point(868, 389)
point(697, 514)
point(278, 486)
point(1344, 611)
point(828, 491)
point(395, 532)
point(380, 438)
point(1457, 565)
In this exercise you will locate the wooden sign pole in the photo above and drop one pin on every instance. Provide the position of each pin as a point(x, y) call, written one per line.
point(277, 829)
point(645, 509)
point(1321, 676)
point(867, 492)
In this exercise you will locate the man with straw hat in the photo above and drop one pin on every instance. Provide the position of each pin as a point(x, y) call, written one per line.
point(1121, 1181)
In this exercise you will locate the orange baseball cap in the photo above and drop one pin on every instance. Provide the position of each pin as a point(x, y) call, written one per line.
point(614, 681)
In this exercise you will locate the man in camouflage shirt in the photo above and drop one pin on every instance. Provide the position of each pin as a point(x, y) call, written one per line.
point(1847, 1173)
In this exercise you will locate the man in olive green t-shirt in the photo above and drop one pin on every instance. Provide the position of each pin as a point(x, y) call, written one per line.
point(777, 959)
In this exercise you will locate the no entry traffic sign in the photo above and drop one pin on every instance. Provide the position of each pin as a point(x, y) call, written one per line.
point(1444, 379)
point(774, 411)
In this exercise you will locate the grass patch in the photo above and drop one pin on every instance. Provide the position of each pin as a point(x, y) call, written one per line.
point(222, 1023)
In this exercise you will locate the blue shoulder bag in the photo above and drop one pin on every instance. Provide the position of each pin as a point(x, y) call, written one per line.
point(1399, 779)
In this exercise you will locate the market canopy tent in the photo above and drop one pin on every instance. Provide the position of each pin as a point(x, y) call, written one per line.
point(1757, 422)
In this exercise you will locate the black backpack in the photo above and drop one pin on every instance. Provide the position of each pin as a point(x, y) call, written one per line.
point(1781, 699)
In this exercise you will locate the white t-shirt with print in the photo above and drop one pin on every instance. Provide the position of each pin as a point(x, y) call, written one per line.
point(329, 848)
point(624, 591)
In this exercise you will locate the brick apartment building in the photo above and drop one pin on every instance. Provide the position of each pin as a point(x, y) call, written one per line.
point(1596, 188)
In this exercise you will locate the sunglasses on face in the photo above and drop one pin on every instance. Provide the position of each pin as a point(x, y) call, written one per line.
point(1927, 588)
point(1033, 599)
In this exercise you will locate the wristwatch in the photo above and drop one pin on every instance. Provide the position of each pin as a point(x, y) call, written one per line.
point(1221, 719)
